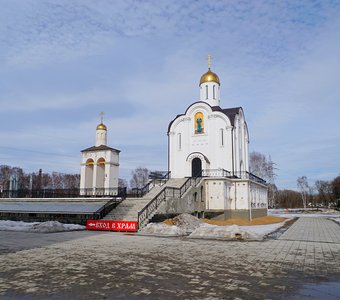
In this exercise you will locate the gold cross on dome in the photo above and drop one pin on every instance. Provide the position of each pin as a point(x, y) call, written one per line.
point(101, 114)
point(209, 61)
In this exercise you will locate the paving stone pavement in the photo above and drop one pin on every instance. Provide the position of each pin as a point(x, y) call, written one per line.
point(313, 230)
point(115, 265)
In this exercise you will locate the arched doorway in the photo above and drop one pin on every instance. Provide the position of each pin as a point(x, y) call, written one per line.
point(196, 167)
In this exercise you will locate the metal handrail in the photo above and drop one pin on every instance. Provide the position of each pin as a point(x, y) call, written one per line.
point(104, 210)
point(166, 192)
point(250, 176)
point(140, 192)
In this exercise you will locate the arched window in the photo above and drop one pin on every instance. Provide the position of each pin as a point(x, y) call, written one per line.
point(206, 92)
point(214, 92)
point(222, 137)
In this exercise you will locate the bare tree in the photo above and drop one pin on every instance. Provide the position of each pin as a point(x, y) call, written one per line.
point(324, 189)
point(258, 164)
point(38, 180)
point(139, 178)
point(287, 199)
point(57, 181)
point(264, 167)
point(71, 181)
point(272, 192)
point(5, 175)
point(302, 184)
point(122, 183)
point(336, 188)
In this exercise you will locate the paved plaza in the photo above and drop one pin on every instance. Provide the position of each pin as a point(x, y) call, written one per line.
point(304, 263)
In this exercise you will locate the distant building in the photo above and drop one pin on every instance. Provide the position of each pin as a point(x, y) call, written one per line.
point(99, 167)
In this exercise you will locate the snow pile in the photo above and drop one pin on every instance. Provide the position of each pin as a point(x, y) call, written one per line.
point(255, 232)
point(225, 232)
point(178, 226)
point(40, 227)
point(187, 222)
point(163, 229)
point(335, 219)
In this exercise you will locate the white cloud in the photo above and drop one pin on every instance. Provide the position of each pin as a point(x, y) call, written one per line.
point(277, 60)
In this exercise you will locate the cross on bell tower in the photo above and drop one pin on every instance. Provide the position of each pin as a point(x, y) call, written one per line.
point(101, 115)
point(209, 61)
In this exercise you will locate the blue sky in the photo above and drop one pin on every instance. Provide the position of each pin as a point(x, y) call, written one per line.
point(62, 62)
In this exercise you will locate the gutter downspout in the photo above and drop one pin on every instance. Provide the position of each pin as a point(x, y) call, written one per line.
point(232, 149)
point(232, 161)
point(249, 202)
point(169, 154)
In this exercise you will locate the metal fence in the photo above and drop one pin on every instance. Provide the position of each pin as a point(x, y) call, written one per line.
point(250, 176)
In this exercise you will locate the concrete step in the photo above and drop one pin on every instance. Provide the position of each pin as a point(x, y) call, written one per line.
point(129, 208)
point(173, 182)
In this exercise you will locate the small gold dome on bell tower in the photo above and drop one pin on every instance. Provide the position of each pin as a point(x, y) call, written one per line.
point(209, 76)
point(101, 126)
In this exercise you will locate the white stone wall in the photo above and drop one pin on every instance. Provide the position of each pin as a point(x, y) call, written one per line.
point(217, 194)
point(111, 169)
point(210, 93)
point(258, 196)
point(101, 137)
point(234, 194)
point(240, 194)
point(221, 145)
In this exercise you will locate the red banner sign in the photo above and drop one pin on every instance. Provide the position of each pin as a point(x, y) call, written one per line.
point(111, 225)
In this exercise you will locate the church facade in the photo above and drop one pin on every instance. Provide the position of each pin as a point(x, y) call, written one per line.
point(213, 143)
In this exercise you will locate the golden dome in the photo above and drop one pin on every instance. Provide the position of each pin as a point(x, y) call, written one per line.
point(209, 77)
point(101, 126)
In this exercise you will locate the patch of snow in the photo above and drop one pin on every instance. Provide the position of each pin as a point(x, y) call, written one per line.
point(335, 219)
point(256, 232)
point(300, 213)
point(224, 232)
point(163, 229)
point(39, 227)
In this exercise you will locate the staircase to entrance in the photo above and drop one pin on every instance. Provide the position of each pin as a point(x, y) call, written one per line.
point(141, 210)
point(129, 209)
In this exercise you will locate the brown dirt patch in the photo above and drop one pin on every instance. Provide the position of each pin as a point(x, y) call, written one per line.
point(258, 221)
point(169, 222)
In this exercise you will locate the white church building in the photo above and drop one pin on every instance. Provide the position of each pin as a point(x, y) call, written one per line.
point(212, 142)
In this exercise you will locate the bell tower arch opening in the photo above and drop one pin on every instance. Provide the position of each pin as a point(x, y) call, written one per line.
point(89, 174)
point(100, 173)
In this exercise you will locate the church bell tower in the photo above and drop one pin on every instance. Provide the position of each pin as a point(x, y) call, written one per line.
point(210, 86)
